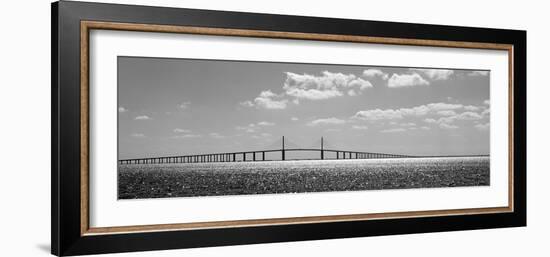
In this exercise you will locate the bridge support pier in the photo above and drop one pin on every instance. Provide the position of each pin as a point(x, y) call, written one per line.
point(263, 156)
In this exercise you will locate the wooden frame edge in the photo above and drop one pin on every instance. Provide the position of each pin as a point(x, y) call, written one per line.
point(86, 26)
point(290, 221)
point(84, 128)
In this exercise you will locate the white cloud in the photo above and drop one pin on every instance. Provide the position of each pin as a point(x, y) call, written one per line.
point(446, 113)
point(294, 119)
point(313, 94)
point(378, 114)
point(326, 86)
point(122, 109)
point(436, 74)
point(471, 108)
point(430, 120)
point(425, 128)
point(184, 133)
point(416, 111)
point(360, 83)
point(461, 116)
point(184, 105)
point(406, 80)
point(477, 73)
point(359, 127)
point(142, 117)
point(482, 127)
point(299, 87)
point(139, 135)
point(178, 130)
point(216, 135)
point(265, 123)
point(408, 124)
point(187, 136)
point(487, 102)
point(394, 130)
point(446, 122)
point(268, 100)
point(247, 104)
point(250, 128)
point(468, 116)
point(375, 73)
point(444, 106)
point(327, 121)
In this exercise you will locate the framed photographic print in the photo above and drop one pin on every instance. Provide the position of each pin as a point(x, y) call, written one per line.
point(178, 128)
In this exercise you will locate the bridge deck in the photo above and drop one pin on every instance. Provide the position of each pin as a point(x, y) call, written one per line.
point(244, 156)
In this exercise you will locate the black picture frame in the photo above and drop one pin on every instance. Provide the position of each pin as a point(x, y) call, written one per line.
point(66, 236)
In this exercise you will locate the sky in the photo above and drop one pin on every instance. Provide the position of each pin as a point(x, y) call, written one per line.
point(189, 106)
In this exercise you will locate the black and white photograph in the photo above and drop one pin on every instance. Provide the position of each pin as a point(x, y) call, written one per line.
point(198, 127)
point(275, 128)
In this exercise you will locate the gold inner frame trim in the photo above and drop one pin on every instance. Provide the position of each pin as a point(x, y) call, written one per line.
point(86, 26)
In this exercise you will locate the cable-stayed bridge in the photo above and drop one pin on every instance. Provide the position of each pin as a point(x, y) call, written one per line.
point(286, 147)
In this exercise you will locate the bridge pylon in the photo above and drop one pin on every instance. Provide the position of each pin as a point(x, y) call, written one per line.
point(283, 149)
point(322, 150)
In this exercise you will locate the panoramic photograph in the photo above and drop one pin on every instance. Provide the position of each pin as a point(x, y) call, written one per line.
point(197, 128)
